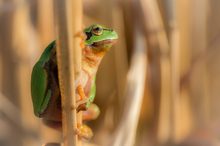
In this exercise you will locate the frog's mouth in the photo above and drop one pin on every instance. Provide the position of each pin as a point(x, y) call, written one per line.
point(104, 45)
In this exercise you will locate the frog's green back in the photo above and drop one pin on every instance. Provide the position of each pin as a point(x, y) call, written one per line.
point(39, 82)
point(46, 54)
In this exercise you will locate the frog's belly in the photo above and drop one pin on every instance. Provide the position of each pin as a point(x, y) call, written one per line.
point(86, 82)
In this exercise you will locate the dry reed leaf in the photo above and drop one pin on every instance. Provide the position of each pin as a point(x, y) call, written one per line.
point(126, 131)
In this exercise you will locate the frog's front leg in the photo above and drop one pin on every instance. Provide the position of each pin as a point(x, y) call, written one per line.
point(83, 131)
point(83, 100)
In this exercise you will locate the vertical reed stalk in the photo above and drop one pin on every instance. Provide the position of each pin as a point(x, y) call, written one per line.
point(68, 57)
point(77, 16)
point(121, 59)
point(24, 43)
point(134, 91)
point(174, 48)
point(200, 79)
point(45, 23)
point(157, 39)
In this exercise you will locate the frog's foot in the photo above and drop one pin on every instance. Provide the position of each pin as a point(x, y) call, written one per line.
point(81, 104)
point(84, 131)
point(91, 113)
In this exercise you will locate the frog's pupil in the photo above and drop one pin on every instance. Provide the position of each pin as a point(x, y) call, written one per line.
point(97, 29)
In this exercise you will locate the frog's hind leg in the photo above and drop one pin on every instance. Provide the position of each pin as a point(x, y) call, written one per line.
point(57, 125)
point(91, 113)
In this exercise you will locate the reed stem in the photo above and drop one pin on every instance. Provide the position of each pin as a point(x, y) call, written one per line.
point(69, 63)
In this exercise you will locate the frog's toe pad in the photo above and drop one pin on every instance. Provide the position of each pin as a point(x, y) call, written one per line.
point(84, 131)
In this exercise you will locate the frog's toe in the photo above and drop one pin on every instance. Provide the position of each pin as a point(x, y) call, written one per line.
point(84, 131)
point(81, 104)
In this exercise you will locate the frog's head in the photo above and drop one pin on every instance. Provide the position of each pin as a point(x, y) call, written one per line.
point(100, 38)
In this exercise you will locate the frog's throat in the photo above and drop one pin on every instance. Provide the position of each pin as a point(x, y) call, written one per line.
point(104, 45)
point(91, 60)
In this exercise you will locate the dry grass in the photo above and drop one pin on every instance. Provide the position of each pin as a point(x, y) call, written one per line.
point(172, 46)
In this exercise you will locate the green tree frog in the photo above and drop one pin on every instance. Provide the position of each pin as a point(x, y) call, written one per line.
point(45, 89)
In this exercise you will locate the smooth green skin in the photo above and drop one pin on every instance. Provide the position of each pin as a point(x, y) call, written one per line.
point(39, 80)
point(106, 34)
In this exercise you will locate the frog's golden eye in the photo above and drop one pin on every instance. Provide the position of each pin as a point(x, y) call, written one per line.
point(97, 30)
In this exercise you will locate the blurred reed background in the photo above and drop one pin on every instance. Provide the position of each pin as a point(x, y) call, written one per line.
point(168, 51)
